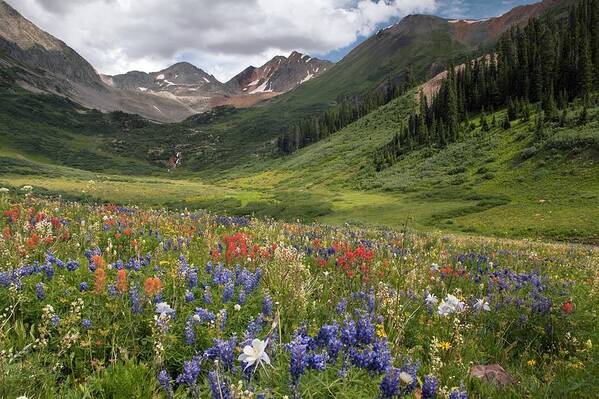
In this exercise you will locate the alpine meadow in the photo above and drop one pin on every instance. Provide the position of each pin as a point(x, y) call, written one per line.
point(412, 212)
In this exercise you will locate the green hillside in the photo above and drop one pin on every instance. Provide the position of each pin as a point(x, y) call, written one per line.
point(501, 182)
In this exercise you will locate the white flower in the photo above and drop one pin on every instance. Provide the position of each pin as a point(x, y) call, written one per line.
point(450, 305)
point(405, 378)
point(481, 304)
point(237, 307)
point(4, 190)
point(434, 267)
point(164, 309)
point(26, 188)
point(22, 397)
point(255, 354)
point(431, 300)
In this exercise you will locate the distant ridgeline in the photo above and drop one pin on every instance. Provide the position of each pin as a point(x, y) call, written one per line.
point(313, 129)
point(552, 61)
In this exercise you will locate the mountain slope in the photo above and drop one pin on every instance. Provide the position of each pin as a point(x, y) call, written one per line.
point(279, 75)
point(419, 43)
point(23, 41)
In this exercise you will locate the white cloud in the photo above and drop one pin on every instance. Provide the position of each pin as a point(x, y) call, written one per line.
point(220, 36)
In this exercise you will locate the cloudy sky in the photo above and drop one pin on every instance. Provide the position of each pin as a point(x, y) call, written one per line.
point(223, 37)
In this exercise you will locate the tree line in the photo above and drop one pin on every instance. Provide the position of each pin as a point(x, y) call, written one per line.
point(350, 109)
point(551, 61)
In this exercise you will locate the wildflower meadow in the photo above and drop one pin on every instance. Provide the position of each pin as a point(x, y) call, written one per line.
point(105, 301)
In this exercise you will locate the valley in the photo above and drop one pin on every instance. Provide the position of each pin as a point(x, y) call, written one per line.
point(417, 219)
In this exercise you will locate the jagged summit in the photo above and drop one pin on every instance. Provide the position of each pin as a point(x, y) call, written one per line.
point(279, 75)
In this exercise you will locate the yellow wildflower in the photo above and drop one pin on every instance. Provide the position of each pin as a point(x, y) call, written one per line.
point(380, 331)
point(531, 362)
point(446, 345)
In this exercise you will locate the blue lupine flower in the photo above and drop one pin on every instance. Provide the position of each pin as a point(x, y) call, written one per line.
point(83, 286)
point(189, 296)
point(223, 321)
point(191, 371)
point(327, 333)
point(72, 265)
point(207, 296)
point(190, 337)
point(224, 351)
point(135, 302)
point(165, 382)
point(381, 357)
point(267, 305)
point(341, 306)
point(192, 278)
point(458, 394)
point(390, 384)
point(228, 292)
point(86, 324)
point(371, 302)
point(5, 279)
point(112, 290)
point(222, 275)
point(298, 361)
point(254, 328)
point(241, 297)
point(348, 333)
point(55, 320)
point(204, 315)
point(429, 387)
point(50, 257)
point(48, 268)
point(218, 386)
point(365, 331)
point(39, 291)
point(318, 361)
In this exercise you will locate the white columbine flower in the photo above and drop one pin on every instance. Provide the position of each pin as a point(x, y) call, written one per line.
point(450, 305)
point(431, 300)
point(255, 354)
point(405, 378)
point(164, 308)
point(481, 304)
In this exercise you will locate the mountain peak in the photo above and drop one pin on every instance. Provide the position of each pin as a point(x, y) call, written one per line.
point(183, 66)
point(279, 75)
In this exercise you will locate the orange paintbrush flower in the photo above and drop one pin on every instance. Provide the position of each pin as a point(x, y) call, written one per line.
point(121, 283)
point(98, 261)
point(152, 286)
point(100, 280)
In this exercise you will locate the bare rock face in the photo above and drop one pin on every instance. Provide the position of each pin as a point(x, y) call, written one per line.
point(279, 75)
point(492, 373)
